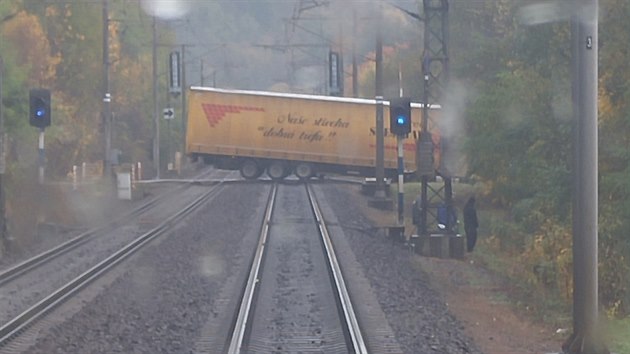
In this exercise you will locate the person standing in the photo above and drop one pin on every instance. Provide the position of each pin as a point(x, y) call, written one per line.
point(470, 223)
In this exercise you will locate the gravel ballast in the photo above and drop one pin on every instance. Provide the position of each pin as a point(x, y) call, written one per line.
point(185, 285)
point(166, 295)
point(416, 313)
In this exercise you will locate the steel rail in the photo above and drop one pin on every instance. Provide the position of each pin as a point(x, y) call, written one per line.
point(351, 322)
point(44, 257)
point(240, 327)
point(29, 316)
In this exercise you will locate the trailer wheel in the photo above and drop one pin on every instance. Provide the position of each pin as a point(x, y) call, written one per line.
point(304, 170)
point(250, 169)
point(277, 170)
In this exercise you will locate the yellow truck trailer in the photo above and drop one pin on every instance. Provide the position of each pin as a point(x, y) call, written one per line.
point(280, 133)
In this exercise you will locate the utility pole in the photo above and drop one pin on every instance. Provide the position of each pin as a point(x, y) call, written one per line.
point(380, 139)
point(184, 108)
point(3, 144)
point(156, 109)
point(355, 70)
point(435, 73)
point(169, 157)
point(201, 71)
point(42, 155)
point(106, 113)
point(585, 338)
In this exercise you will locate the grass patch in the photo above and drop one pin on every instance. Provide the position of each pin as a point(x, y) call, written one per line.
point(529, 297)
point(617, 332)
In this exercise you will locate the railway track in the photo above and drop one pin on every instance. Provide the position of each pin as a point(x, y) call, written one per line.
point(295, 298)
point(14, 327)
point(40, 259)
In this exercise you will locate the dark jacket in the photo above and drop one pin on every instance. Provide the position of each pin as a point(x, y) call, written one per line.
point(470, 214)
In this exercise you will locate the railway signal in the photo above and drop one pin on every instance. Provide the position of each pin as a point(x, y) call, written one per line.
point(40, 111)
point(400, 116)
point(400, 124)
point(39, 116)
point(175, 87)
point(335, 78)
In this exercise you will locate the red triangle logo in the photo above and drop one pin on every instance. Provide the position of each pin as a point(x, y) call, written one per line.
point(216, 112)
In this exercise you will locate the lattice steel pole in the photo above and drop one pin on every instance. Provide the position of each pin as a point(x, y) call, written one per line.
point(435, 73)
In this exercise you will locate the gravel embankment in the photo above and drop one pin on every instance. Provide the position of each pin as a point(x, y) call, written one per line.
point(27, 290)
point(169, 290)
point(416, 313)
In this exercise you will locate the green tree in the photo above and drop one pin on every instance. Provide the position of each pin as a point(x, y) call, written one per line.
point(521, 79)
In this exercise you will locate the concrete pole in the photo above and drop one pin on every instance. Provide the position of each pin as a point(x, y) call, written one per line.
point(156, 109)
point(425, 136)
point(169, 158)
point(3, 145)
point(585, 338)
point(201, 70)
point(401, 179)
point(42, 155)
point(355, 70)
point(107, 122)
point(380, 139)
point(184, 93)
point(75, 177)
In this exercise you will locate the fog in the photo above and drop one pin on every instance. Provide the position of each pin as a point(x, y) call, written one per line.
point(452, 127)
point(166, 9)
point(268, 44)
